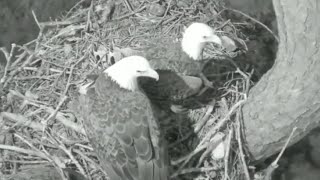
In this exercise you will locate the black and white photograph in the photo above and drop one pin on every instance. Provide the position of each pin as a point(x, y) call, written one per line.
point(159, 90)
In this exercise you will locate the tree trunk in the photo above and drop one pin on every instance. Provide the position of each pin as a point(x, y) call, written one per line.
point(288, 95)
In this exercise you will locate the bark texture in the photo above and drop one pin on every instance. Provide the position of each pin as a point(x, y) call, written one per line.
point(289, 94)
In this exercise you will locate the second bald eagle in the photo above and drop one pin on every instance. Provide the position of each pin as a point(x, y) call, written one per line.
point(180, 67)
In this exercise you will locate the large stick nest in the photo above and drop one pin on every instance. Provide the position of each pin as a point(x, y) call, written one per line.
point(38, 126)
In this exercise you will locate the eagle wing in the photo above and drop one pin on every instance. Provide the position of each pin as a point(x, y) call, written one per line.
point(124, 133)
point(183, 67)
point(171, 88)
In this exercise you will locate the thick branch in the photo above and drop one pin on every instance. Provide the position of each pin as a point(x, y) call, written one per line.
point(289, 94)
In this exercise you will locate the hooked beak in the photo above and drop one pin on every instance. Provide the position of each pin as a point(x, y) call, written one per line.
point(153, 74)
point(214, 39)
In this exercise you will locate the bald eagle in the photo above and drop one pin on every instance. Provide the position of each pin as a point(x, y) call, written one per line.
point(185, 58)
point(121, 125)
point(180, 67)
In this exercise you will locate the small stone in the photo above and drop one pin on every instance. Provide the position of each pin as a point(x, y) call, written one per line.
point(184, 4)
point(157, 10)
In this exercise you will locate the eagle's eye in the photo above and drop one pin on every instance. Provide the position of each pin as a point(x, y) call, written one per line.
point(139, 71)
point(205, 37)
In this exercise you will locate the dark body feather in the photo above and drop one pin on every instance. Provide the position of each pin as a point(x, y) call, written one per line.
point(124, 132)
point(172, 89)
point(173, 66)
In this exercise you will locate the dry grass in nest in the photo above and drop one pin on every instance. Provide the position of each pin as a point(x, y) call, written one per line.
point(37, 123)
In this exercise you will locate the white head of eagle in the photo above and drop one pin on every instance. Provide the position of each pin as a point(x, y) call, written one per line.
point(126, 71)
point(195, 37)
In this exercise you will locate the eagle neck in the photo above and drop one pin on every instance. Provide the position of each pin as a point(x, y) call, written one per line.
point(123, 81)
point(191, 48)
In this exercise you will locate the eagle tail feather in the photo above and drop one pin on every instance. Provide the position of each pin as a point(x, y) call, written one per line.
point(152, 171)
point(145, 170)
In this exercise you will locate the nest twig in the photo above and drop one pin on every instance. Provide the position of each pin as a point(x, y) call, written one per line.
point(39, 86)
